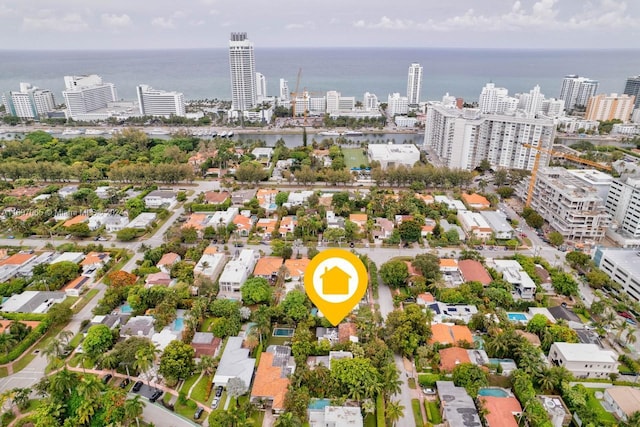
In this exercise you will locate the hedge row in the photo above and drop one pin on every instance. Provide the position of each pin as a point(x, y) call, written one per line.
point(380, 420)
point(38, 317)
point(29, 340)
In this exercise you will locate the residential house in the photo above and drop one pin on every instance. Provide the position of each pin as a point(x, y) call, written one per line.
point(243, 224)
point(501, 411)
point(624, 401)
point(474, 271)
point(162, 339)
point(167, 261)
point(263, 154)
point(403, 218)
point(205, 344)
point(428, 227)
point(497, 220)
point(298, 198)
point(347, 332)
point(160, 199)
point(11, 266)
point(336, 416)
point(240, 197)
point(288, 225)
point(105, 192)
point(334, 221)
point(267, 267)
point(75, 287)
point(111, 222)
point(584, 360)
point(211, 263)
point(67, 191)
point(452, 204)
point(234, 363)
point(382, 229)
point(315, 361)
point(202, 220)
point(266, 226)
point(559, 312)
point(143, 220)
point(74, 257)
point(158, 279)
point(272, 377)
point(458, 408)
point(32, 302)
point(444, 224)
point(78, 219)
point(450, 272)
point(94, 261)
point(216, 197)
point(556, 408)
point(474, 225)
point(446, 333)
point(112, 321)
point(267, 198)
point(296, 268)
point(360, 219)
point(476, 201)
point(330, 334)
point(426, 198)
point(512, 272)
point(138, 326)
point(425, 298)
point(448, 312)
point(236, 272)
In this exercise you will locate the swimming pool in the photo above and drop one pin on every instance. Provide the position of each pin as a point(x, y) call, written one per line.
point(178, 324)
point(493, 391)
point(319, 404)
point(125, 308)
point(517, 317)
point(283, 332)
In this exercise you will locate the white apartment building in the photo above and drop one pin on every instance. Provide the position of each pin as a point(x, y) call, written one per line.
point(242, 65)
point(463, 138)
point(393, 155)
point(370, 101)
point(285, 96)
point(29, 103)
point(496, 100)
point(623, 204)
point(568, 204)
point(609, 107)
point(154, 102)
point(414, 84)
point(474, 225)
point(584, 360)
point(577, 90)
point(397, 104)
point(575, 124)
point(531, 103)
point(333, 101)
point(594, 178)
point(236, 272)
point(553, 107)
point(85, 95)
point(622, 266)
point(210, 264)
point(261, 86)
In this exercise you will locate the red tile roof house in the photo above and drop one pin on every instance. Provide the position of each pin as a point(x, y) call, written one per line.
point(158, 279)
point(474, 271)
point(501, 411)
point(272, 377)
point(167, 261)
point(443, 333)
point(452, 357)
point(216, 197)
point(205, 343)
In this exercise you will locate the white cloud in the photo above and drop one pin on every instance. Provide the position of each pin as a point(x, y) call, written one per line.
point(196, 23)
point(115, 21)
point(69, 23)
point(543, 15)
point(164, 23)
point(214, 12)
point(309, 25)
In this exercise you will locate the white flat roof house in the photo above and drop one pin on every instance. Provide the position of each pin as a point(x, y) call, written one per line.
point(142, 221)
point(236, 272)
point(32, 302)
point(499, 224)
point(160, 198)
point(111, 222)
point(336, 416)
point(234, 363)
point(451, 203)
point(210, 265)
point(584, 360)
point(393, 155)
point(513, 273)
point(622, 266)
point(474, 225)
point(75, 257)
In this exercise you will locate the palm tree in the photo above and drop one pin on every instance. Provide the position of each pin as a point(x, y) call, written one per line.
point(144, 359)
point(394, 411)
point(288, 419)
point(7, 342)
point(631, 338)
point(391, 382)
point(90, 387)
point(133, 409)
point(63, 383)
point(65, 336)
point(109, 361)
point(545, 380)
point(86, 411)
point(207, 365)
point(54, 350)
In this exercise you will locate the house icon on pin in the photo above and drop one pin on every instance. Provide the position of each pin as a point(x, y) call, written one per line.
point(335, 281)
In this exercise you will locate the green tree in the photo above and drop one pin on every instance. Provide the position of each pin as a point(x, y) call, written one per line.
point(127, 234)
point(79, 230)
point(394, 273)
point(177, 360)
point(99, 340)
point(597, 278)
point(429, 266)
point(357, 378)
point(471, 377)
point(282, 197)
point(537, 324)
point(564, 284)
point(60, 273)
point(294, 305)
point(394, 410)
point(406, 330)
point(578, 259)
point(60, 314)
point(410, 231)
point(251, 171)
point(133, 409)
point(555, 238)
point(256, 291)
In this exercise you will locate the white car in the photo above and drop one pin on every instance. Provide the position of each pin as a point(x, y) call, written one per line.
point(215, 403)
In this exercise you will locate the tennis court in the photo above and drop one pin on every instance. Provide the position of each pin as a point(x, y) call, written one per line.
point(354, 157)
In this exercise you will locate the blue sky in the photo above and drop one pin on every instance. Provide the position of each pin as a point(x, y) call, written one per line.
point(131, 24)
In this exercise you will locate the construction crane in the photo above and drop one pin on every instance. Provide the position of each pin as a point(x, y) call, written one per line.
point(536, 165)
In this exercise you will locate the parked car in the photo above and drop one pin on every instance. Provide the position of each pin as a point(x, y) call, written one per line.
point(107, 378)
point(219, 391)
point(215, 402)
point(125, 382)
point(155, 396)
point(137, 386)
point(428, 391)
point(198, 413)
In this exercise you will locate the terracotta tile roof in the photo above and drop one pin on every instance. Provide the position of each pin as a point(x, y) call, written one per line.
point(412, 270)
point(474, 271)
point(196, 220)
point(297, 267)
point(500, 410)
point(358, 218)
point(77, 283)
point(17, 259)
point(24, 191)
point(427, 198)
point(346, 330)
point(267, 224)
point(160, 278)
point(428, 228)
point(448, 262)
point(242, 222)
point(210, 250)
point(216, 197)
point(94, 258)
point(532, 338)
point(266, 195)
point(475, 199)
point(426, 297)
point(450, 334)
point(24, 216)
point(267, 266)
point(78, 219)
point(452, 357)
point(169, 259)
point(269, 383)
point(4, 324)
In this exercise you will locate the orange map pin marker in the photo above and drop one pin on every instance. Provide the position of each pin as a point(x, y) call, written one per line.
point(335, 280)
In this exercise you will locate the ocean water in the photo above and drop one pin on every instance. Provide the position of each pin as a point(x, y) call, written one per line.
point(204, 73)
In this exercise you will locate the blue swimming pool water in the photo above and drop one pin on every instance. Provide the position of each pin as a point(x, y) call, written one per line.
point(517, 316)
point(283, 332)
point(491, 391)
point(319, 403)
point(178, 324)
point(494, 361)
point(125, 308)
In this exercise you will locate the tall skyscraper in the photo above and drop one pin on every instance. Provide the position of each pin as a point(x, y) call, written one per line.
point(284, 90)
point(242, 65)
point(261, 86)
point(633, 88)
point(609, 107)
point(154, 102)
point(496, 100)
point(29, 103)
point(397, 104)
point(577, 90)
point(85, 94)
point(414, 84)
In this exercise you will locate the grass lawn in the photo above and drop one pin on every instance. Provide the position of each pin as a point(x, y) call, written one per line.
point(206, 325)
point(433, 411)
point(604, 417)
point(412, 383)
point(277, 340)
point(185, 410)
point(75, 341)
point(354, 157)
point(200, 391)
point(417, 414)
point(584, 318)
point(24, 362)
point(427, 380)
point(186, 385)
point(499, 381)
point(3, 372)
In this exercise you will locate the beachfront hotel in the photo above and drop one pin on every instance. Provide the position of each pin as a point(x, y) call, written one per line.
point(154, 102)
point(242, 65)
point(85, 95)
